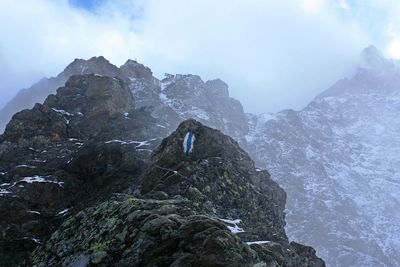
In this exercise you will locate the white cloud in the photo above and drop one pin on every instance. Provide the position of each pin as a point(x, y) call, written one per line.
point(343, 4)
point(312, 6)
point(381, 18)
point(274, 54)
point(393, 49)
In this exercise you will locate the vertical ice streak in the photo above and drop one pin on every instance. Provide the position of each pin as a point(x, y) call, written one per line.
point(188, 142)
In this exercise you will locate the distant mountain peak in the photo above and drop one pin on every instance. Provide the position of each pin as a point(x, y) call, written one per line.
point(100, 60)
point(134, 69)
point(375, 74)
point(372, 58)
point(190, 78)
point(371, 51)
point(132, 62)
point(94, 65)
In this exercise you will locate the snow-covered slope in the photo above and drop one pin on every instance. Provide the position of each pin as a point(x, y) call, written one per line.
point(338, 159)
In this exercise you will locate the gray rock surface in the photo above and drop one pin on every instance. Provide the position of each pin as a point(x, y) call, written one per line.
point(173, 99)
point(80, 146)
point(87, 146)
point(27, 98)
point(196, 209)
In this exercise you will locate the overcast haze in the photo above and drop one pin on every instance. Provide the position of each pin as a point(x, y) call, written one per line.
point(273, 54)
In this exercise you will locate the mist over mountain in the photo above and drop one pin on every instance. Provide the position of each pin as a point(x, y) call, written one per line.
point(87, 178)
point(337, 159)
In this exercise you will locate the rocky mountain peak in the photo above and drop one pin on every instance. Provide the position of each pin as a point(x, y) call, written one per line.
point(199, 208)
point(217, 88)
point(339, 156)
point(183, 80)
point(196, 199)
point(27, 98)
point(372, 61)
point(98, 65)
point(188, 96)
point(93, 95)
point(207, 142)
point(209, 168)
point(186, 86)
point(77, 148)
point(85, 102)
point(372, 57)
point(375, 75)
point(133, 69)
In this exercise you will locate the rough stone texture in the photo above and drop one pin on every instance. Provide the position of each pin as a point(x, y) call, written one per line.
point(208, 102)
point(93, 95)
point(134, 69)
point(139, 232)
point(77, 148)
point(27, 98)
point(88, 143)
point(220, 178)
point(88, 106)
point(173, 99)
point(182, 213)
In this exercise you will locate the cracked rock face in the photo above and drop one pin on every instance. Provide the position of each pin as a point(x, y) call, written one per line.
point(220, 178)
point(139, 232)
point(83, 144)
point(186, 209)
point(85, 178)
point(172, 99)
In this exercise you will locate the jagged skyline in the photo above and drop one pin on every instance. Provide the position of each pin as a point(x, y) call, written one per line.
point(252, 45)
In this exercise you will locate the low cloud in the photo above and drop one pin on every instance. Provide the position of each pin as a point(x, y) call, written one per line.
point(273, 54)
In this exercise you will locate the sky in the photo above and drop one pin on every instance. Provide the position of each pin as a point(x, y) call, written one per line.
point(274, 54)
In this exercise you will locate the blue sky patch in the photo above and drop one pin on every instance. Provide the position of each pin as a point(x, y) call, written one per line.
point(86, 4)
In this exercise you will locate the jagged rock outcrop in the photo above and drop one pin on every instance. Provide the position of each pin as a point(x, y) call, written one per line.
point(80, 146)
point(27, 98)
point(336, 158)
point(208, 102)
point(196, 209)
point(87, 146)
point(173, 99)
point(144, 233)
point(83, 107)
point(93, 139)
point(216, 176)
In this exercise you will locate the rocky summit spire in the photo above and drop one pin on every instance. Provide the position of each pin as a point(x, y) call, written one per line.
point(135, 70)
point(95, 65)
point(80, 108)
point(374, 75)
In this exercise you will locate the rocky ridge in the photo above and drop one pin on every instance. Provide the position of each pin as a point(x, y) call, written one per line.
point(304, 150)
point(189, 210)
point(343, 144)
point(173, 99)
point(80, 146)
point(77, 168)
